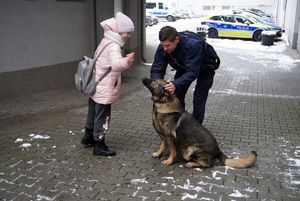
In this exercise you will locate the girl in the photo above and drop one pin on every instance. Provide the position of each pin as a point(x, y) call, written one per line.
point(116, 31)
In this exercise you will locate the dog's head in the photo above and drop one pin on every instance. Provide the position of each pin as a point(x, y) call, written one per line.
point(157, 89)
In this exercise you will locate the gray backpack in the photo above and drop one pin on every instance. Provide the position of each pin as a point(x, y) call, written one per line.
point(85, 77)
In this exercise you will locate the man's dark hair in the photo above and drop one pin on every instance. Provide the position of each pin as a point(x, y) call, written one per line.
point(168, 33)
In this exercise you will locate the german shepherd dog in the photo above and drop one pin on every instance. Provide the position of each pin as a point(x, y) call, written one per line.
point(181, 133)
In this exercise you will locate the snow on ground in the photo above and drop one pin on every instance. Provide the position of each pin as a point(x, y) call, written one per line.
point(27, 142)
point(238, 194)
point(193, 190)
point(256, 53)
point(288, 157)
point(32, 137)
point(243, 49)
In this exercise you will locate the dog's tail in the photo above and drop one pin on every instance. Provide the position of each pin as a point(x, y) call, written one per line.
point(243, 162)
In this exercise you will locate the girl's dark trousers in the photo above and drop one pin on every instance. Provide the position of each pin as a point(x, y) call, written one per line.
point(98, 118)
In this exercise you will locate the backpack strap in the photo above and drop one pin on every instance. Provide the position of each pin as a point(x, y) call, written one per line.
point(102, 51)
point(108, 70)
point(213, 62)
point(104, 74)
point(191, 34)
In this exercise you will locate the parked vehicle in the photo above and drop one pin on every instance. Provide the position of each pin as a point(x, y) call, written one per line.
point(249, 13)
point(238, 26)
point(260, 12)
point(150, 20)
point(154, 18)
point(158, 9)
point(184, 14)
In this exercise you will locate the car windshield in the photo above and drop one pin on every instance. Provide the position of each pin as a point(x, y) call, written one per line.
point(254, 19)
point(246, 18)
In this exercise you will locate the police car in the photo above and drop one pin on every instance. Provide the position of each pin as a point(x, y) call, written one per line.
point(237, 26)
point(159, 9)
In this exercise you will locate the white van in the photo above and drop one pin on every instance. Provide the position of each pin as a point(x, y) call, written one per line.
point(158, 9)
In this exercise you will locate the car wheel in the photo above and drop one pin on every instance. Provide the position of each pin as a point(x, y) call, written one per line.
point(257, 35)
point(212, 33)
point(170, 18)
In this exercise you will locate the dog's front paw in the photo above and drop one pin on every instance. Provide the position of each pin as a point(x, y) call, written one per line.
point(167, 162)
point(156, 154)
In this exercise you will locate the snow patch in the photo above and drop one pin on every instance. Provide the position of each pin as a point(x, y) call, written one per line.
point(238, 194)
point(161, 191)
point(19, 140)
point(169, 178)
point(188, 186)
point(294, 162)
point(136, 181)
point(251, 190)
point(186, 195)
point(42, 197)
point(32, 137)
point(288, 157)
point(25, 145)
point(39, 136)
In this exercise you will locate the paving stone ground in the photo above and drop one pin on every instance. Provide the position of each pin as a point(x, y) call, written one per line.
point(252, 106)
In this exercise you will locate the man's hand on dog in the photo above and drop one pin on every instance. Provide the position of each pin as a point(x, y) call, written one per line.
point(170, 87)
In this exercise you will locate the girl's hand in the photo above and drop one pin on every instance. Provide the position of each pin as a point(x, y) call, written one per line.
point(130, 58)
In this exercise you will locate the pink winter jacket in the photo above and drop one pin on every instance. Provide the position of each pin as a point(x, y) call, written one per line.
point(108, 89)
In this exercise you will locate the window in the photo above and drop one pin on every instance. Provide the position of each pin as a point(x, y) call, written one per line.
point(216, 18)
point(160, 5)
point(225, 7)
point(206, 7)
point(150, 5)
point(239, 19)
point(229, 18)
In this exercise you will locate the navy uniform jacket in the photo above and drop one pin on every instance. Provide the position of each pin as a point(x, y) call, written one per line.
point(189, 53)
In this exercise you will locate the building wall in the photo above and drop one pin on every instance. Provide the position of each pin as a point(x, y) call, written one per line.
point(42, 33)
point(298, 38)
point(135, 10)
point(217, 5)
point(41, 42)
point(288, 16)
point(292, 22)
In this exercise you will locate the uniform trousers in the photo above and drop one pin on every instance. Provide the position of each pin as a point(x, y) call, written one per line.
point(204, 83)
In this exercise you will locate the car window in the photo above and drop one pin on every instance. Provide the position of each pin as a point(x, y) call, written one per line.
point(150, 5)
point(228, 18)
point(241, 19)
point(216, 18)
point(248, 21)
point(160, 5)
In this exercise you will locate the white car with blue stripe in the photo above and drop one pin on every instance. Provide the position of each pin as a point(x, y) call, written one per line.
point(237, 26)
point(159, 9)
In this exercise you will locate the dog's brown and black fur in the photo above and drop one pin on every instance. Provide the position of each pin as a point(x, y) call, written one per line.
point(180, 132)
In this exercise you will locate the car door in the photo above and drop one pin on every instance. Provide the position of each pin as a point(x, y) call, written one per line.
point(243, 28)
point(228, 27)
point(218, 23)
